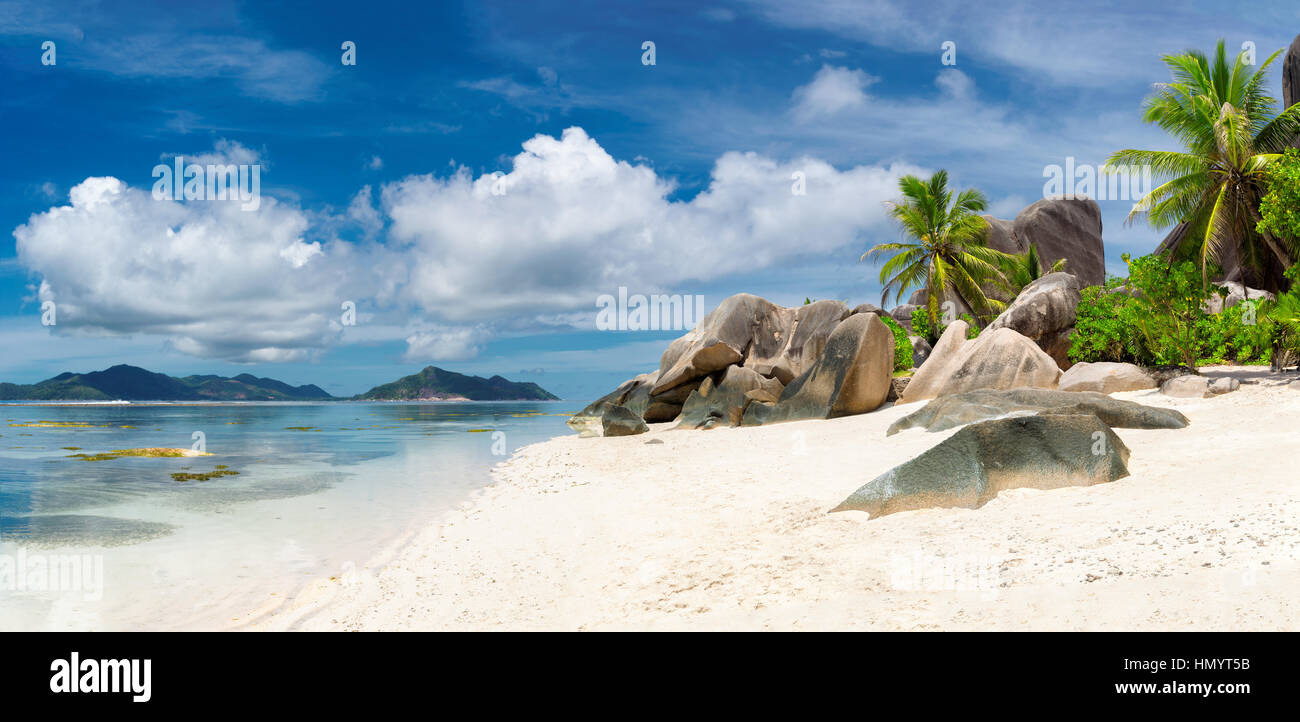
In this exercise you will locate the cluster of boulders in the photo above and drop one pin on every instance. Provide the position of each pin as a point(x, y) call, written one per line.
point(751, 361)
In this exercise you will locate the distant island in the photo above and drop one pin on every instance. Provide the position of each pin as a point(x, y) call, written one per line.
point(132, 383)
point(435, 384)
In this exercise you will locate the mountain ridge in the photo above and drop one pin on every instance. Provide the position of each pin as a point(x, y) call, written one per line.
point(434, 384)
point(132, 383)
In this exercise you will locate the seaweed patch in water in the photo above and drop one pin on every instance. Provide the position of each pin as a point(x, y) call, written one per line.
point(219, 471)
point(152, 452)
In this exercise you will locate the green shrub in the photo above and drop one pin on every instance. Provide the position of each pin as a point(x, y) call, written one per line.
point(1279, 209)
point(1105, 330)
point(1237, 334)
point(1164, 322)
point(902, 344)
point(921, 326)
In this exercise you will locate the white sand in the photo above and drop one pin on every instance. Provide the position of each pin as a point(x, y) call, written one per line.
point(727, 529)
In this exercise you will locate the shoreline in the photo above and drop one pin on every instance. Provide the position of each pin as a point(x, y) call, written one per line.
point(728, 529)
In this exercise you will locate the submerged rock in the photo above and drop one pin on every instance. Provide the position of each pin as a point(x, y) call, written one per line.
point(970, 467)
point(948, 412)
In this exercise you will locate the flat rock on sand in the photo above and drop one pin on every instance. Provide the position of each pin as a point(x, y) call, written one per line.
point(1106, 377)
point(947, 412)
point(970, 467)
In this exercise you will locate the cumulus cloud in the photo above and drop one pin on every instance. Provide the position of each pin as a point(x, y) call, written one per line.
point(465, 258)
point(445, 344)
point(831, 91)
point(215, 280)
point(570, 223)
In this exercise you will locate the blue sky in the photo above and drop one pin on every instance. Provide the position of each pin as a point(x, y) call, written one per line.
point(376, 179)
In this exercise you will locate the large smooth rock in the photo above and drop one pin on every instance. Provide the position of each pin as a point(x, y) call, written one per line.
point(801, 344)
point(998, 359)
point(1224, 385)
point(852, 376)
point(920, 350)
point(1001, 236)
point(725, 403)
point(1291, 76)
point(740, 324)
point(622, 421)
point(1106, 377)
point(1069, 229)
point(1045, 312)
point(1186, 387)
point(970, 467)
point(948, 412)
point(903, 315)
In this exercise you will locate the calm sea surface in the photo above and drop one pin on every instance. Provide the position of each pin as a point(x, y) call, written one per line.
point(321, 489)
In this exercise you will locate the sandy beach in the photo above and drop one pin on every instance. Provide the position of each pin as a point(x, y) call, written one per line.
point(728, 529)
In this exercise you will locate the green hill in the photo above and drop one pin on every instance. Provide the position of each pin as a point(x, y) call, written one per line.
point(131, 383)
point(434, 383)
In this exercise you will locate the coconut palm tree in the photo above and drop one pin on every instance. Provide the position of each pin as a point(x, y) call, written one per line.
point(1022, 269)
point(947, 253)
point(1222, 113)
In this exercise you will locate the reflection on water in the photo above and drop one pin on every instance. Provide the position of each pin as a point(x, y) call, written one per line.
point(317, 486)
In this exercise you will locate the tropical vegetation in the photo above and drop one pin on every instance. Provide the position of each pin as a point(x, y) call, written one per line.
point(946, 253)
point(1221, 112)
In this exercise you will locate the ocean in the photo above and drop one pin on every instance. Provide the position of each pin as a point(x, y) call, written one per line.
point(321, 488)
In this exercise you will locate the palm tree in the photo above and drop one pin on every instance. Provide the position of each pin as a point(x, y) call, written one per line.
point(1022, 269)
point(948, 252)
point(1224, 116)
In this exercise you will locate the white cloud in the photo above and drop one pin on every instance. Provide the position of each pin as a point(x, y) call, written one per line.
point(444, 344)
point(1108, 43)
point(212, 279)
point(376, 163)
point(362, 211)
point(832, 91)
point(460, 265)
point(955, 84)
point(286, 76)
point(575, 223)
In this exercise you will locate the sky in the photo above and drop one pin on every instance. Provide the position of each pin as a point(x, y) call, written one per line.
point(466, 190)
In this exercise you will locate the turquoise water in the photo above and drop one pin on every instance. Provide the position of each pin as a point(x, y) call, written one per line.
point(320, 489)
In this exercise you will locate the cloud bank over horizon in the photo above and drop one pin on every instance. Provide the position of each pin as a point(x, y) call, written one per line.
point(459, 258)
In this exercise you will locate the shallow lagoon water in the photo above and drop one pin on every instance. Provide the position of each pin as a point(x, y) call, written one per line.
point(321, 489)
